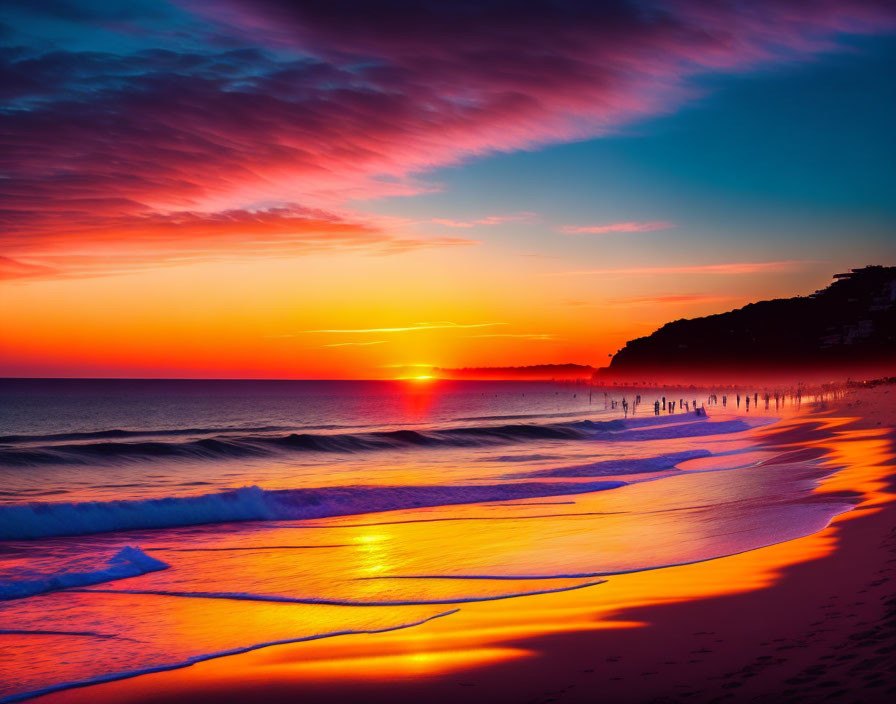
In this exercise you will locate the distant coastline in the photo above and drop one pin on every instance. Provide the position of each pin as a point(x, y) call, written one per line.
point(844, 331)
point(847, 329)
point(535, 372)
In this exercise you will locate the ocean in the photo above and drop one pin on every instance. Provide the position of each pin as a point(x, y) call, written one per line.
point(148, 525)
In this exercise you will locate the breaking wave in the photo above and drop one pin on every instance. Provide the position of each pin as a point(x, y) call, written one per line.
point(42, 520)
point(120, 445)
point(127, 562)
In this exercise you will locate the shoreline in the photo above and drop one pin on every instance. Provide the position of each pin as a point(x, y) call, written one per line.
point(822, 627)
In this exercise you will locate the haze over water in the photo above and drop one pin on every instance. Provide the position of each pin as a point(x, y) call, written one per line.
point(192, 519)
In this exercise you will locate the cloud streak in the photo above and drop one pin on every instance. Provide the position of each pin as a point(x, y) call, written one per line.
point(733, 269)
point(616, 227)
point(488, 221)
point(545, 336)
point(13, 269)
point(417, 327)
point(129, 239)
point(356, 344)
point(680, 299)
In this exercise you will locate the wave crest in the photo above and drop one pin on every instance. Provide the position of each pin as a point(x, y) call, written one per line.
point(117, 446)
point(41, 520)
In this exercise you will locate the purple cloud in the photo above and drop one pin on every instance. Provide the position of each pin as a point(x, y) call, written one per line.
point(266, 111)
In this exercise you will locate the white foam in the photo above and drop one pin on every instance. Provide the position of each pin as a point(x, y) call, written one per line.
point(39, 520)
point(127, 562)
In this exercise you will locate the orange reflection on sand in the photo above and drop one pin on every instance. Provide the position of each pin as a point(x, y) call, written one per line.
point(858, 456)
point(391, 665)
point(862, 455)
point(482, 633)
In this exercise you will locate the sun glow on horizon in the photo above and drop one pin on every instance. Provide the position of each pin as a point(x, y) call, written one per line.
point(334, 226)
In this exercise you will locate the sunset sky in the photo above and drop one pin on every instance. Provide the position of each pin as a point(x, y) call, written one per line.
point(272, 189)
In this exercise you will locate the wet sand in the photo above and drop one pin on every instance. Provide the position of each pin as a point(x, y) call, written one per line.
point(822, 627)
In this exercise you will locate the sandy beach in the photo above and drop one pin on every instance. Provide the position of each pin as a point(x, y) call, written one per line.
point(812, 619)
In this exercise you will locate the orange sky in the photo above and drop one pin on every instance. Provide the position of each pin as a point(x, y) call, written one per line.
point(217, 190)
point(339, 316)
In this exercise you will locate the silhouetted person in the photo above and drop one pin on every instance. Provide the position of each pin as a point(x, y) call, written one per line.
point(738, 400)
point(748, 404)
point(664, 403)
point(656, 408)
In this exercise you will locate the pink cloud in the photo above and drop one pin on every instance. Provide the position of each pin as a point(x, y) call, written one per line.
point(76, 244)
point(13, 269)
point(616, 227)
point(489, 220)
point(736, 268)
point(290, 108)
point(680, 299)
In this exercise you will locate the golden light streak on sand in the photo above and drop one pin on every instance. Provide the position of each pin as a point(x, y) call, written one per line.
point(484, 627)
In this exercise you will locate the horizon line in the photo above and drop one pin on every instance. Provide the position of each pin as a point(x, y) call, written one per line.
point(183, 378)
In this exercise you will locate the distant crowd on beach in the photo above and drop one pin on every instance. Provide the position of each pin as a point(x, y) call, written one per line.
point(794, 396)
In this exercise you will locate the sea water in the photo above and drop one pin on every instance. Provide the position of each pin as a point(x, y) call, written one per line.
point(148, 525)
